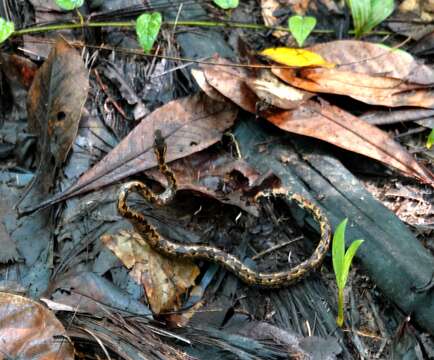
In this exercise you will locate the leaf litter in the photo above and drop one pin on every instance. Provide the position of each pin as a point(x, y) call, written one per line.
point(194, 124)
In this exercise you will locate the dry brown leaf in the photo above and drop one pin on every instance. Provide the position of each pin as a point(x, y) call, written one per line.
point(230, 82)
point(29, 331)
point(217, 175)
point(376, 60)
point(329, 123)
point(56, 98)
point(375, 90)
point(54, 105)
point(188, 125)
point(247, 90)
point(165, 280)
point(274, 92)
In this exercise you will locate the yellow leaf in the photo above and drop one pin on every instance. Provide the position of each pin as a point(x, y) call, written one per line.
point(295, 57)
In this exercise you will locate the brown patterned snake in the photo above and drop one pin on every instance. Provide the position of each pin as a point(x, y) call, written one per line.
point(209, 253)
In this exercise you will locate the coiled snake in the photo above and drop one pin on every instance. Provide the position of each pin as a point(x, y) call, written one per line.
point(209, 253)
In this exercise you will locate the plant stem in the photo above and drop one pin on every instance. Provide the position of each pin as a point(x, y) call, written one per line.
point(131, 24)
point(340, 318)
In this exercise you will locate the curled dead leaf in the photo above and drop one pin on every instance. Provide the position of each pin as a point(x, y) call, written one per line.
point(30, 331)
point(165, 280)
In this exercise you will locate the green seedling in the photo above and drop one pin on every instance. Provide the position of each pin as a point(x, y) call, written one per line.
point(226, 4)
point(69, 4)
point(341, 264)
point(147, 29)
point(430, 140)
point(367, 14)
point(6, 29)
point(301, 27)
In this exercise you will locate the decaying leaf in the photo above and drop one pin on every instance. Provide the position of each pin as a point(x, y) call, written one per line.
point(56, 98)
point(165, 280)
point(230, 82)
point(217, 175)
point(274, 92)
point(188, 125)
point(376, 60)
point(322, 121)
point(375, 90)
point(54, 106)
point(329, 123)
point(30, 331)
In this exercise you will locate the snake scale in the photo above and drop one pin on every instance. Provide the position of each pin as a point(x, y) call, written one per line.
point(213, 254)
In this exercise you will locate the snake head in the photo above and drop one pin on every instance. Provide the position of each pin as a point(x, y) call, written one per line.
point(160, 146)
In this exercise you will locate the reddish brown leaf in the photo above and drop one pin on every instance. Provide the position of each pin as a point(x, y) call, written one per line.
point(230, 82)
point(269, 89)
point(56, 99)
point(54, 106)
point(376, 60)
point(217, 175)
point(331, 124)
point(165, 280)
point(29, 331)
point(18, 68)
point(188, 125)
point(374, 90)
point(371, 73)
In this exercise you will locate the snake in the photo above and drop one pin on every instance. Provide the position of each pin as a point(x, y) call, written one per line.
point(213, 254)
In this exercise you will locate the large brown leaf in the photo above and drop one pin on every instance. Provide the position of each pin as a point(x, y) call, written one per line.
point(322, 121)
point(375, 90)
point(165, 280)
point(54, 106)
point(29, 331)
point(329, 123)
point(368, 72)
point(375, 59)
point(188, 125)
point(217, 175)
point(56, 98)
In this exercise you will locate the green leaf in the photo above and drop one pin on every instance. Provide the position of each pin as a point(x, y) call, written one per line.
point(69, 4)
point(348, 259)
point(6, 29)
point(226, 4)
point(301, 27)
point(338, 252)
point(360, 11)
point(380, 10)
point(369, 13)
point(430, 140)
point(147, 28)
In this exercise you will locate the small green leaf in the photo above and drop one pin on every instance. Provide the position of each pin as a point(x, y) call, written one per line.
point(430, 140)
point(360, 11)
point(6, 29)
point(338, 252)
point(226, 4)
point(380, 10)
point(301, 27)
point(369, 13)
point(351, 251)
point(147, 28)
point(69, 4)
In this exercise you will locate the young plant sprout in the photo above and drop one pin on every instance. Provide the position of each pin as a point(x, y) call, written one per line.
point(367, 14)
point(301, 27)
point(341, 264)
point(227, 4)
point(147, 29)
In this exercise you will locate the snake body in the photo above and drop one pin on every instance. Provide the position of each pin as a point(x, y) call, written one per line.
point(210, 253)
